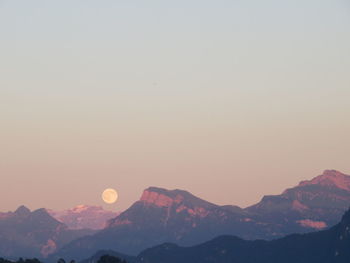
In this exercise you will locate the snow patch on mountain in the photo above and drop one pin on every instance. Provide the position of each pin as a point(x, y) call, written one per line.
point(84, 216)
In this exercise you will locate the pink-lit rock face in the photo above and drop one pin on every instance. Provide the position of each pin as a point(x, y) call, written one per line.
point(198, 211)
point(312, 224)
point(178, 199)
point(181, 208)
point(298, 206)
point(157, 199)
point(162, 200)
point(48, 248)
point(170, 206)
point(330, 178)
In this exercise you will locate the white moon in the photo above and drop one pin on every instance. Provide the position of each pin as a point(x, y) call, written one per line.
point(110, 196)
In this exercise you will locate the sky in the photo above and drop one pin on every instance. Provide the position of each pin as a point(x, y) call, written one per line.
point(228, 99)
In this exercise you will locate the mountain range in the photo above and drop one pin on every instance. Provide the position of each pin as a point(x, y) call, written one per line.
point(327, 246)
point(162, 216)
point(41, 232)
point(33, 233)
point(84, 217)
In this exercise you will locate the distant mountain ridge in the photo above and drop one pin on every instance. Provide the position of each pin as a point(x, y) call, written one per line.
point(177, 216)
point(84, 216)
point(33, 234)
point(327, 246)
point(316, 203)
point(331, 178)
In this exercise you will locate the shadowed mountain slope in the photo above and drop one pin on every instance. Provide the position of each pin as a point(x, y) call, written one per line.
point(33, 234)
point(327, 246)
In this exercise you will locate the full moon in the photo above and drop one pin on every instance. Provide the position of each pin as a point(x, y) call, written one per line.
point(110, 196)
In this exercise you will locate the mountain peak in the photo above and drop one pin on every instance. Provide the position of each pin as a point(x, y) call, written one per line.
point(41, 212)
point(333, 173)
point(158, 197)
point(22, 211)
point(166, 205)
point(166, 198)
point(81, 208)
point(84, 216)
point(330, 178)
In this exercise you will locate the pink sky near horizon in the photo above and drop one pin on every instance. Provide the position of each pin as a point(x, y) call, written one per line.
point(228, 100)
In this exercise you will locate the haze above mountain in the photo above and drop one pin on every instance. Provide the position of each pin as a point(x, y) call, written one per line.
point(177, 216)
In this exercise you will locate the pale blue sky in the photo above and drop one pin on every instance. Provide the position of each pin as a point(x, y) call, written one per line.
point(227, 99)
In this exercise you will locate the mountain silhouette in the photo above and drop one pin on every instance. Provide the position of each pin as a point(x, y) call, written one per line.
point(33, 234)
point(177, 216)
point(327, 246)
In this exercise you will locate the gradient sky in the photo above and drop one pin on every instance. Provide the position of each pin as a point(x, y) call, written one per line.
point(228, 99)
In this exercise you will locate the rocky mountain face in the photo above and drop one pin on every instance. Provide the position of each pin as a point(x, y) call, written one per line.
point(161, 216)
point(33, 234)
point(177, 216)
point(84, 217)
point(314, 204)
